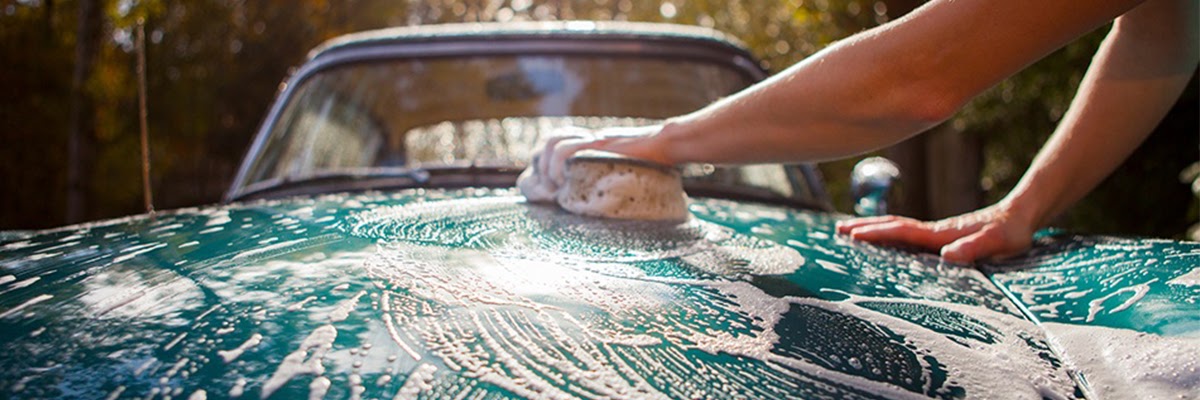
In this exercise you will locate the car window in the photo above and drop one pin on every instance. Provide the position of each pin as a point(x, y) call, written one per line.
point(486, 111)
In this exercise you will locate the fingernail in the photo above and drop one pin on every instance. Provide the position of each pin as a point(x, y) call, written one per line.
point(954, 255)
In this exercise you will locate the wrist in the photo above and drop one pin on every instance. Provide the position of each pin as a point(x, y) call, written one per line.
point(1026, 208)
point(675, 141)
point(665, 143)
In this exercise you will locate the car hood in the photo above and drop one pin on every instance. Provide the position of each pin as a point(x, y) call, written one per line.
point(474, 292)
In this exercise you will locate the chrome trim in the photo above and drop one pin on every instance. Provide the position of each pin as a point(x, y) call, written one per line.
point(871, 182)
point(532, 30)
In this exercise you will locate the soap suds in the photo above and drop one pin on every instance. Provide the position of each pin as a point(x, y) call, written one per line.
point(342, 310)
point(175, 368)
point(485, 287)
point(220, 217)
point(36, 299)
point(1192, 278)
point(529, 301)
point(267, 249)
point(522, 305)
point(318, 387)
point(1097, 305)
point(391, 329)
point(233, 354)
point(419, 380)
point(1126, 364)
point(306, 360)
point(300, 304)
point(832, 267)
point(116, 393)
point(238, 389)
point(137, 251)
point(22, 284)
point(173, 342)
point(356, 387)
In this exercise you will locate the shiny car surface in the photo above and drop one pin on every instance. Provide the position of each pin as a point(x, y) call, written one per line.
point(373, 247)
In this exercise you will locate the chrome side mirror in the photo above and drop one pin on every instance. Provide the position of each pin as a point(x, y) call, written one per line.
point(870, 184)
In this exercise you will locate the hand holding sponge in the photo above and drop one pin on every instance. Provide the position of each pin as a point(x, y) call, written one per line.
point(602, 184)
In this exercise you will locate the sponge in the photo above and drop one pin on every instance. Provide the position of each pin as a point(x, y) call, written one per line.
point(604, 184)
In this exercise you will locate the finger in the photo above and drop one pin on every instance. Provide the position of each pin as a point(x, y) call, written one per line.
point(905, 231)
point(845, 226)
point(987, 242)
point(547, 153)
point(564, 151)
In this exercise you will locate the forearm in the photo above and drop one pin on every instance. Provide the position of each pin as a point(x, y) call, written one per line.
point(883, 85)
point(1137, 75)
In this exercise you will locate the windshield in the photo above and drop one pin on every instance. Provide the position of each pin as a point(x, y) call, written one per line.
point(488, 111)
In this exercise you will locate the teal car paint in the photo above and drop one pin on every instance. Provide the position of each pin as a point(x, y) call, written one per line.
point(372, 246)
point(474, 292)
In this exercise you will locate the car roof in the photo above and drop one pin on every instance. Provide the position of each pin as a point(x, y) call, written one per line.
point(560, 30)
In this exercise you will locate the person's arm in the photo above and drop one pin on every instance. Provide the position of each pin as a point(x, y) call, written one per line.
point(870, 90)
point(880, 86)
point(1138, 73)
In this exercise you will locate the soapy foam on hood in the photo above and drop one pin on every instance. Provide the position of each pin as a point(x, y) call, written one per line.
point(519, 306)
point(546, 304)
point(1127, 364)
point(757, 315)
point(486, 314)
point(1192, 278)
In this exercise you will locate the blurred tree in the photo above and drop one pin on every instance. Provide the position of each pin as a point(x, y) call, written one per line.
point(87, 40)
point(36, 46)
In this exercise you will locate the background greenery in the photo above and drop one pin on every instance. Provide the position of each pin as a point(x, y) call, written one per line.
point(214, 66)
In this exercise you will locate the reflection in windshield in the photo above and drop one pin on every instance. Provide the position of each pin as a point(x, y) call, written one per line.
point(494, 142)
point(552, 75)
point(484, 111)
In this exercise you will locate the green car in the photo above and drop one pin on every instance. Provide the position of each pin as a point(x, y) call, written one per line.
point(373, 246)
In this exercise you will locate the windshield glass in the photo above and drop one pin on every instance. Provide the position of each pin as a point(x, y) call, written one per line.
point(487, 111)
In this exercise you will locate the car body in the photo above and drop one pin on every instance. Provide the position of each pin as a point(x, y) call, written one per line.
point(372, 245)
